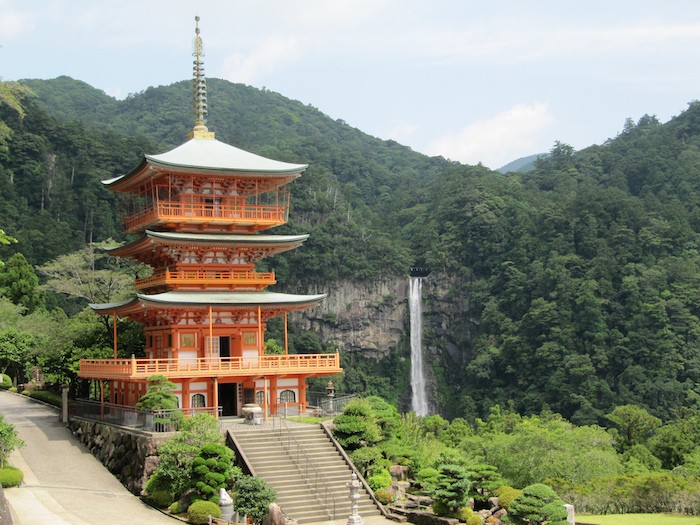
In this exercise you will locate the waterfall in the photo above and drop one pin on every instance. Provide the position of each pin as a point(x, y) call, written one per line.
point(419, 402)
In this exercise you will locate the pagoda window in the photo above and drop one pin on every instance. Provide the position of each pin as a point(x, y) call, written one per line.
point(250, 339)
point(260, 397)
point(198, 401)
point(288, 396)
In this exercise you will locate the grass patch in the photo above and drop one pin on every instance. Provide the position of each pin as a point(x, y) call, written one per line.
point(307, 419)
point(638, 519)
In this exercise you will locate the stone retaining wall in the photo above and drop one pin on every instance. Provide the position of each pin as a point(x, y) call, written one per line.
point(5, 514)
point(130, 455)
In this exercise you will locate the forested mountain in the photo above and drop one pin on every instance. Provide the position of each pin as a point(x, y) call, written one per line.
point(581, 276)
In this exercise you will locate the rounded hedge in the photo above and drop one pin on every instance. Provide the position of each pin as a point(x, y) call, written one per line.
point(5, 381)
point(160, 498)
point(10, 477)
point(200, 510)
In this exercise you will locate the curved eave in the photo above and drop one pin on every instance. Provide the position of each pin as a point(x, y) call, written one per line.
point(209, 156)
point(219, 300)
point(284, 242)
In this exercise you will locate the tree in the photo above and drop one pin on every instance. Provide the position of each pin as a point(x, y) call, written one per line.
point(161, 400)
point(19, 283)
point(253, 497)
point(9, 440)
point(91, 274)
point(634, 425)
point(357, 426)
point(177, 454)
point(211, 470)
point(537, 504)
point(11, 95)
point(452, 490)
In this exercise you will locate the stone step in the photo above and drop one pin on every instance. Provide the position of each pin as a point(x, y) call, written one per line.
point(267, 455)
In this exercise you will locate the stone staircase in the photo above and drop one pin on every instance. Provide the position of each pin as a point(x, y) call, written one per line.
point(303, 465)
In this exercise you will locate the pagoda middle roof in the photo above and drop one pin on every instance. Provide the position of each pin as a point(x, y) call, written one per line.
point(211, 239)
point(211, 155)
point(215, 299)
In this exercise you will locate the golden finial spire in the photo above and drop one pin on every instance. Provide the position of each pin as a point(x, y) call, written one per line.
point(199, 88)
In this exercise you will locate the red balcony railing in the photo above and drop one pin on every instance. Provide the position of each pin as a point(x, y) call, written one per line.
point(247, 216)
point(312, 364)
point(207, 279)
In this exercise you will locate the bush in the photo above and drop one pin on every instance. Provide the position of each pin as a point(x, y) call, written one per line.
point(380, 480)
point(537, 500)
point(5, 381)
point(253, 497)
point(211, 469)
point(384, 497)
point(10, 477)
point(505, 495)
point(175, 508)
point(44, 395)
point(200, 510)
point(13, 389)
point(160, 498)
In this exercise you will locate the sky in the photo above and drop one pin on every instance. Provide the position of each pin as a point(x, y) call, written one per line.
point(473, 81)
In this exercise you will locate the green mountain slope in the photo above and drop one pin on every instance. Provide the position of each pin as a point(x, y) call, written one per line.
point(573, 287)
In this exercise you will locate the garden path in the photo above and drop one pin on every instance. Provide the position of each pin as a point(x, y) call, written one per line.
point(63, 483)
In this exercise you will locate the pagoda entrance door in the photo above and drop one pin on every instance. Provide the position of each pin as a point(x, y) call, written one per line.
point(228, 399)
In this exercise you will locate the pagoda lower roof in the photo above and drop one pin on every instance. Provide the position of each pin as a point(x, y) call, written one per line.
point(199, 155)
point(282, 242)
point(219, 300)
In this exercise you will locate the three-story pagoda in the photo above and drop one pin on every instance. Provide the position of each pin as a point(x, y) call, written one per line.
point(199, 212)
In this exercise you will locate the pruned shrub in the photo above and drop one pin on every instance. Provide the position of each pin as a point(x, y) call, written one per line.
point(5, 381)
point(160, 498)
point(200, 510)
point(537, 500)
point(10, 477)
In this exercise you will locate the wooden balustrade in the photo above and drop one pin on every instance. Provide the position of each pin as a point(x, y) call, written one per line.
point(223, 214)
point(210, 367)
point(209, 278)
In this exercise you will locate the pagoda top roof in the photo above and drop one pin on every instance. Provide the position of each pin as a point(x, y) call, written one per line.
point(211, 156)
point(265, 299)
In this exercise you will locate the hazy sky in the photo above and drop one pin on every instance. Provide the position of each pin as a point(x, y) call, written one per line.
point(473, 81)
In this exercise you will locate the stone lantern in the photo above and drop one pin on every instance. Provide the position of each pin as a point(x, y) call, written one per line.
point(354, 485)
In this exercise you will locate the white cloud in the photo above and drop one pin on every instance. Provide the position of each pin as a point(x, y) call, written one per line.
point(497, 140)
point(402, 132)
point(273, 52)
point(12, 23)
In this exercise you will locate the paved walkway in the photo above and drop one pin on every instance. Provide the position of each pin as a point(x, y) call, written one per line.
point(63, 483)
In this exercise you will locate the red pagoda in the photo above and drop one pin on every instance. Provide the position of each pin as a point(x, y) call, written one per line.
point(199, 211)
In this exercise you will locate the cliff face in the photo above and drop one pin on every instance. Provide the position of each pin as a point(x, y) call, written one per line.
point(368, 319)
